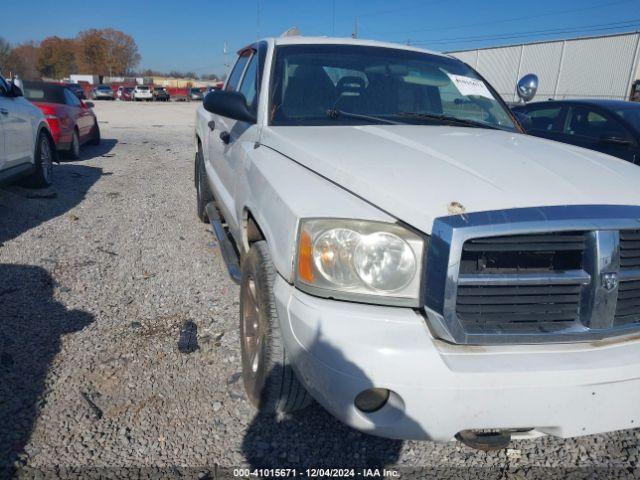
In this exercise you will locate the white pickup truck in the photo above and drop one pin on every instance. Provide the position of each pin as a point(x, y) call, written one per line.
point(409, 258)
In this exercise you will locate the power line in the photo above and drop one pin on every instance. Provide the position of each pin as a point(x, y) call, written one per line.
point(520, 34)
point(395, 10)
point(507, 20)
point(545, 36)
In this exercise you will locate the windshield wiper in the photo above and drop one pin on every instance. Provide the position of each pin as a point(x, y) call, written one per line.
point(447, 119)
point(334, 113)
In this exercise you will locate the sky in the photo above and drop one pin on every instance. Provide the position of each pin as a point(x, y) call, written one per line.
point(190, 36)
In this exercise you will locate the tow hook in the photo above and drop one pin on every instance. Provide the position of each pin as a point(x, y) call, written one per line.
point(485, 440)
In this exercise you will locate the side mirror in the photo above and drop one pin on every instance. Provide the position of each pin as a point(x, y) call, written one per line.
point(524, 119)
point(229, 104)
point(527, 87)
point(89, 104)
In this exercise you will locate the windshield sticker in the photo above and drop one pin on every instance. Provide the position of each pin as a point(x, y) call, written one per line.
point(470, 86)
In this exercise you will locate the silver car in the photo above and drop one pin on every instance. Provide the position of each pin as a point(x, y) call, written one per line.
point(102, 92)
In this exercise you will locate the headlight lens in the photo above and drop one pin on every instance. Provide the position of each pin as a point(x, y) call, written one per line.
point(360, 260)
point(384, 261)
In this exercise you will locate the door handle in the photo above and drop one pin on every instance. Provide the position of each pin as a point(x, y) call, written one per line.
point(225, 137)
point(4, 111)
point(212, 125)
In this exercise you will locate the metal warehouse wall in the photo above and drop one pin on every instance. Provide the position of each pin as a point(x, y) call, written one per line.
point(596, 67)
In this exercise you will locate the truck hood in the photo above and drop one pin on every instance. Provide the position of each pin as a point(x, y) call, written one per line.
point(418, 173)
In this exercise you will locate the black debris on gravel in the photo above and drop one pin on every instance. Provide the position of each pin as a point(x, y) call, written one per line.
point(188, 342)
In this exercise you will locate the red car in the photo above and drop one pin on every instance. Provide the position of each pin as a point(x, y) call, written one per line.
point(125, 93)
point(71, 120)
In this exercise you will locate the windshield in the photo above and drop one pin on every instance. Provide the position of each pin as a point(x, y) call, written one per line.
point(312, 80)
point(104, 87)
point(195, 90)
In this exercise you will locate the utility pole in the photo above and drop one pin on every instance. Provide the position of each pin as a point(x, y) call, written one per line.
point(355, 28)
point(333, 19)
point(257, 19)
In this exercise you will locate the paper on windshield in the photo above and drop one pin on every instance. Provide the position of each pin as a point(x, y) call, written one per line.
point(470, 86)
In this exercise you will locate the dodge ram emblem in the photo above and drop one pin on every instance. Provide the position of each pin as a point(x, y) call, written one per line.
point(609, 281)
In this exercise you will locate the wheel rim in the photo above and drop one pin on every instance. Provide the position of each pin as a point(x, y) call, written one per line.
point(75, 144)
point(253, 331)
point(45, 159)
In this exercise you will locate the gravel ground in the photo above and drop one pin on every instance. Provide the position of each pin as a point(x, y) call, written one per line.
point(97, 276)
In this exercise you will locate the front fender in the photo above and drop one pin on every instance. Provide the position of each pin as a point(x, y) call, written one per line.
point(43, 127)
point(278, 192)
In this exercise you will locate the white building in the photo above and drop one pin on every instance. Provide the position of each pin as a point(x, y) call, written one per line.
point(595, 67)
point(90, 79)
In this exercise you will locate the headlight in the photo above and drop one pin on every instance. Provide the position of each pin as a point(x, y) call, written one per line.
point(359, 260)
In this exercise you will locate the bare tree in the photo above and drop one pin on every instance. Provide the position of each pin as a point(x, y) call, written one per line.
point(23, 60)
point(106, 52)
point(5, 50)
point(56, 58)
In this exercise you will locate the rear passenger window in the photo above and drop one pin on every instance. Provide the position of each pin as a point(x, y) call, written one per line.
point(249, 87)
point(545, 119)
point(584, 122)
point(236, 73)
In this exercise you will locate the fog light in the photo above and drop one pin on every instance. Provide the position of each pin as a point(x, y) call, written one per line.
point(371, 400)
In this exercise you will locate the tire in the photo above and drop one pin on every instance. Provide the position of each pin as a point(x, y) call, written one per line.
point(203, 194)
point(44, 156)
point(95, 136)
point(269, 380)
point(74, 150)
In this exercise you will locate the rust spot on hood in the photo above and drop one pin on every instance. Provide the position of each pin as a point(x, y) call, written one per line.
point(456, 208)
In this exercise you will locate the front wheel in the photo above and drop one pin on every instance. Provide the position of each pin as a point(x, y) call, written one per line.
point(95, 136)
point(74, 149)
point(203, 194)
point(269, 380)
point(43, 175)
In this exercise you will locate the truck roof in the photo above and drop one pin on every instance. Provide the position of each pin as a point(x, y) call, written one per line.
point(302, 40)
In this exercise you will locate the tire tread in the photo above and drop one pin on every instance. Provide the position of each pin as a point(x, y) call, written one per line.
point(282, 392)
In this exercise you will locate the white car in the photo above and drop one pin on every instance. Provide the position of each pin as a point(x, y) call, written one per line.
point(409, 258)
point(27, 150)
point(142, 92)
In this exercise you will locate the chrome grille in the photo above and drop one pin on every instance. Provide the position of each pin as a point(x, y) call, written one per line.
point(535, 275)
point(518, 309)
point(499, 288)
point(629, 249)
point(628, 306)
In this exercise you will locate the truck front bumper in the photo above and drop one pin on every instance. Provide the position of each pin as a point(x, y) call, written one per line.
point(339, 349)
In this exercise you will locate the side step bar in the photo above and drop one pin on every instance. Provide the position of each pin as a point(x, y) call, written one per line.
point(226, 247)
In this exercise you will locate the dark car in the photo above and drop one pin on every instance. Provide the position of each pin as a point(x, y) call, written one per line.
point(608, 126)
point(77, 90)
point(71, 120)
point(160, 94)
